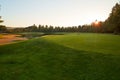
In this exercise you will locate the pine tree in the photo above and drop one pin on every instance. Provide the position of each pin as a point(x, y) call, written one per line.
point(113, 21)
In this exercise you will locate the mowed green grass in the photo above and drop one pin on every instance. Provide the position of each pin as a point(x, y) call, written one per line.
point(101, 43)
point(62, 57)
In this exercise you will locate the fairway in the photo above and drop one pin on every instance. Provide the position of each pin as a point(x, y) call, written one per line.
point(73, 56)
point(101, 43)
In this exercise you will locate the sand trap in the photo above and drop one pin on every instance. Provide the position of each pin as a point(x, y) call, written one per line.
point(9, 38)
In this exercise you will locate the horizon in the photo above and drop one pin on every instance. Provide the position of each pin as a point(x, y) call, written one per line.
point(54, 12)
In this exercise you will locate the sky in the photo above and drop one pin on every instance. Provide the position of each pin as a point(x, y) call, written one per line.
point(23, 13)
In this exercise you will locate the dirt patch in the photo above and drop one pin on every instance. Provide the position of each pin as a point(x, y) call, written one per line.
point(9, 38)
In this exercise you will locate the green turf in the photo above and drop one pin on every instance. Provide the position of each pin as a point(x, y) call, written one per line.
point(102, 43)
point(54, 58)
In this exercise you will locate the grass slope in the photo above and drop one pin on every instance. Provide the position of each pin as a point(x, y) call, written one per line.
point(44, 59)
point(101, 43)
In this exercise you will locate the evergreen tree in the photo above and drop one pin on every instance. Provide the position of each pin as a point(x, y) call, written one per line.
point(113, 21)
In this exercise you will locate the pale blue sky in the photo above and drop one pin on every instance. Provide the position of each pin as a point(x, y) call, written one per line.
point(23, 13)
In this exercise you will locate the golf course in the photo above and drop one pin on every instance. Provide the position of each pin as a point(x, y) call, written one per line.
point(59, 40)
point(70, 56)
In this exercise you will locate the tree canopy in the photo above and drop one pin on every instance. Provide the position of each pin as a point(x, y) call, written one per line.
point(113, 21)
point(1, 20)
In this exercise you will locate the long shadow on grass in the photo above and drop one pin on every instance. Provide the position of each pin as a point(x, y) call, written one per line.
point(39, 59)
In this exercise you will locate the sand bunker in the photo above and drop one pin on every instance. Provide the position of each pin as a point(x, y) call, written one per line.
point(9, 38)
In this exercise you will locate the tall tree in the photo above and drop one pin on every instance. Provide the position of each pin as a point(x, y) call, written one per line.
point(3, 29)
point(113, 21)
point(1, 20)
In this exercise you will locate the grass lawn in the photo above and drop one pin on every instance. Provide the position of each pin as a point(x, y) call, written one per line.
point(101, 43)
point(62, 57)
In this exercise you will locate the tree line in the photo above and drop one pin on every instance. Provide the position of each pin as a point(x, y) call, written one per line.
point(110, 25)
point(52, 29)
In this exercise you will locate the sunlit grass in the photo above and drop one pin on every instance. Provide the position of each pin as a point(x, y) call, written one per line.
point(61, 57)
point(103, 43)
